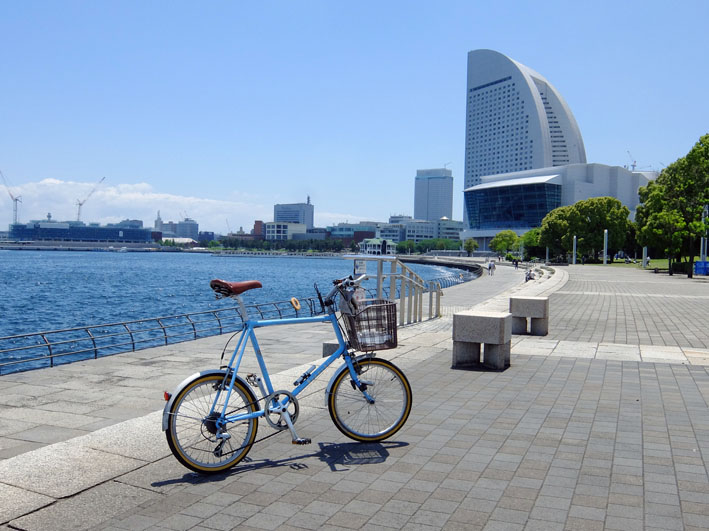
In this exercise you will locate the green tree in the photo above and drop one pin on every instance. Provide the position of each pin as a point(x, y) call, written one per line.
point(504, 241)
point(554, 231)
point(470, 246)
point(586, 219)
point(405, 247)
point(439, 244)
point(670, 216)
point(530, 241)
point(591, 217)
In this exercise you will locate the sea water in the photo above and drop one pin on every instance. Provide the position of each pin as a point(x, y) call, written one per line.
point(51, 290)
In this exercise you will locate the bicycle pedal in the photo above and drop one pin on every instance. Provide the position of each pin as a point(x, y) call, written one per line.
point(301, 441)
point(252, 379)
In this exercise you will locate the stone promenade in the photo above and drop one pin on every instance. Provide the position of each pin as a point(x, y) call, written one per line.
point(602, 424)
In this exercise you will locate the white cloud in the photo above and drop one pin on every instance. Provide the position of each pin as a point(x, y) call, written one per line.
point(110, 204)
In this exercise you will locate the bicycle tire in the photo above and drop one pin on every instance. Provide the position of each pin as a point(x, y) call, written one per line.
point(365, 422)
point(191, 432)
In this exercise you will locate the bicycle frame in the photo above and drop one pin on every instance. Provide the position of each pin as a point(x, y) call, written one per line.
point(248, 335)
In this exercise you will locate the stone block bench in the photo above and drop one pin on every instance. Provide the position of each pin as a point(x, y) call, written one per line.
point(536, 309)
point(471, 329)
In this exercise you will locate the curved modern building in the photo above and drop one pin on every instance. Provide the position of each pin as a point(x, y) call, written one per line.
point(515, 120)
point(524, 155)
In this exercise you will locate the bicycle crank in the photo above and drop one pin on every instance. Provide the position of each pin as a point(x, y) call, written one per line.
point(287, 414)
point(276, 409)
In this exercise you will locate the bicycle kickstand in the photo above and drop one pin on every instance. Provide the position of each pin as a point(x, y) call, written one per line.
point(296, 440)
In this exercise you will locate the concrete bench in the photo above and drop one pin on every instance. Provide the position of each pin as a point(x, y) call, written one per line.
point(471, 329)
point(536, 309)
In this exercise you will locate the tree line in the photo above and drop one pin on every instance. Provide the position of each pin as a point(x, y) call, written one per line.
point(327, 245)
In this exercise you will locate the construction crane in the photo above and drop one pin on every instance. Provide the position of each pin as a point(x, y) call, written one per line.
point(81, 203)
point(634, 164)
point(15, 200)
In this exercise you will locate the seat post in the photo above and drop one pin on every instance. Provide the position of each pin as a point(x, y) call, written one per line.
point(242, 308)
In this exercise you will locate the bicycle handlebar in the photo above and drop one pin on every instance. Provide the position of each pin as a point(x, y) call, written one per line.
point(342, 284)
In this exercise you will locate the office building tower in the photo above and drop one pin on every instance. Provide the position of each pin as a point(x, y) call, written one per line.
point(295, 213)
point(515, 120)
point(187, 228)
point(433, 194)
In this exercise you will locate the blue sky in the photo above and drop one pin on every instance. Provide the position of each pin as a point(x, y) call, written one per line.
point(217, 110)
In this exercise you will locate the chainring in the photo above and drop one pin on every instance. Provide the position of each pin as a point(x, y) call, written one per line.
point(274, 418)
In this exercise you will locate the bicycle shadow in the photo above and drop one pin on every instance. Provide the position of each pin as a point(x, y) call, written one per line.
point(342, 455)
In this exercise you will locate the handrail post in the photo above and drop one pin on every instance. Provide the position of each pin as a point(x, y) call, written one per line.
point(402, 300)
point(164, 332)
point(49, 347)
point(438, 301)
point(430, 300)
point(409, 297)
point(420, 303)
point(93, 340)
point(216, 316)
point(392, 281)
point(417, 290)
point(380, 279)
point(132, 339)
point(194, 328)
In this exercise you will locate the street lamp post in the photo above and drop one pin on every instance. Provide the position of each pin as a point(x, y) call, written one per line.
point(605, 246)
point(573, 258)
point(705, 241)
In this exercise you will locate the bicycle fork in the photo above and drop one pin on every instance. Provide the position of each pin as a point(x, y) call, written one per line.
point(356, 382)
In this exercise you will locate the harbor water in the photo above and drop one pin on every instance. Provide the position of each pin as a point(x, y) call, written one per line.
point(50, 290)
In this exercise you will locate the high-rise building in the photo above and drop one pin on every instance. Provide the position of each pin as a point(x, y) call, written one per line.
point(158, 223)
point(524, 155)
point(294, 213)
point(433, 194)
point(187, 228)
point(515, 120)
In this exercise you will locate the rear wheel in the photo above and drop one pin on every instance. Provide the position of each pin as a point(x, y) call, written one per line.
point(370, 422)
point(193, 434)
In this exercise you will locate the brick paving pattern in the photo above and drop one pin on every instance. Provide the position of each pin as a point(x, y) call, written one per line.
point(571, 436)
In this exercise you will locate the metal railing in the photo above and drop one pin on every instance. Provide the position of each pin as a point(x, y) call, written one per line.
point(402, 283)
point(55, 347)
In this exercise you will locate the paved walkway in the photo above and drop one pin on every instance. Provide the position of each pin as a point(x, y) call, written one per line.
point(573, 436)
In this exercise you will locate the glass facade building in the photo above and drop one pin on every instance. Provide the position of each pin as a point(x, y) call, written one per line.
point(515, 207)
point(516, 121)
point(73, 232)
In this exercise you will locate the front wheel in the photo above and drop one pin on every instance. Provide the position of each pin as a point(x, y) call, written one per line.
point(193, 434)
point(370, 422)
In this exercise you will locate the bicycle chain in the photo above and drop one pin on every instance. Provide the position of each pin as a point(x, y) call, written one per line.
point(257, 403)
point(257, 440)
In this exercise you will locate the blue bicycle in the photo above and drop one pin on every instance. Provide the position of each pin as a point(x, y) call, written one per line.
point(211, 419)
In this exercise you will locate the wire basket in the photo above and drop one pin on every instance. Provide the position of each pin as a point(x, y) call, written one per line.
point(373, 327)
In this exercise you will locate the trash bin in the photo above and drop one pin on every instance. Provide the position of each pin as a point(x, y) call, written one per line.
point(701, 268)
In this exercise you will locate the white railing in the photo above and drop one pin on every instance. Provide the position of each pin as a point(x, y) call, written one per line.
point(402, 280)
